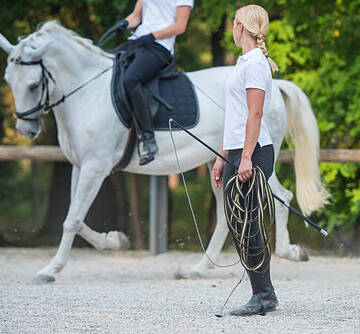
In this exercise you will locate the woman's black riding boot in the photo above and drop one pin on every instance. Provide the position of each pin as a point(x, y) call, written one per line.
point(263, 299)
point(147, 147)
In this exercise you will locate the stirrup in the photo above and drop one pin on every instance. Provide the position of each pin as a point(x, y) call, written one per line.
point(147, 149)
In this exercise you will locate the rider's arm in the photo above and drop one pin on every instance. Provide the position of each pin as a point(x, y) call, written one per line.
point(134, 18)
point(177, 28)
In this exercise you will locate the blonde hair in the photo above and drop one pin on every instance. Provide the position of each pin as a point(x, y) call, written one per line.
point(256, 23)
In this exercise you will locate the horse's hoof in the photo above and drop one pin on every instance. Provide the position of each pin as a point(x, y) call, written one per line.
point(294, 253)
point(117, 241)
point(124, 241)
point(43, 279)
point(303, 255)
point(180, 274)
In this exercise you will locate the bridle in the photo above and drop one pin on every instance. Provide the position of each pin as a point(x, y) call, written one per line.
point(42, 105)
point(44, 102)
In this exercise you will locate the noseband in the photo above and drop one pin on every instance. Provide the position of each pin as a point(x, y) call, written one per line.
point(45, 77)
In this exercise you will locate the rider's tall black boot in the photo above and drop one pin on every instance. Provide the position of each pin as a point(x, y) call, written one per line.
point(147, 147)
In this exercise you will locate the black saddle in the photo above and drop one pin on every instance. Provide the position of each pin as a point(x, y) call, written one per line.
point(170, 94)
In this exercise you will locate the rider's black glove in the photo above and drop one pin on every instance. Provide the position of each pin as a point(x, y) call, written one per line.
point(146, 40)
point(121, 25)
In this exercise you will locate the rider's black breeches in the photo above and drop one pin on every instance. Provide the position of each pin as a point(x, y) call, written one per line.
point(147, 63)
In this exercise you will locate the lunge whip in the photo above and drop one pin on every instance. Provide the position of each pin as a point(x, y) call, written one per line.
point(308, 220)
point(241, 218)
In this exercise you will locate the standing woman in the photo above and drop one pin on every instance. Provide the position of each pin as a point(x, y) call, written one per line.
point(247, 139)
point(157, 22)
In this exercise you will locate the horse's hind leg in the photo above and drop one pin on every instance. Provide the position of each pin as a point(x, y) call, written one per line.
point(217, 239)
point(283, 247)
point(90, 178)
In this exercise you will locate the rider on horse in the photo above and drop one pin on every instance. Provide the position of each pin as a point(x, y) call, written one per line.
point(157, 22)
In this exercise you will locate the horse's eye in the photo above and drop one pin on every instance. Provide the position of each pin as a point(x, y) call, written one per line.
point(34, 85)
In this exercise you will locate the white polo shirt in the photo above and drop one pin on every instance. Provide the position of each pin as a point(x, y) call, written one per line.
point(157, 15)
point(251, 71)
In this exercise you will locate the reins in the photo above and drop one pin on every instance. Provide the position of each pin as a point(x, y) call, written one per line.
point(46, 106)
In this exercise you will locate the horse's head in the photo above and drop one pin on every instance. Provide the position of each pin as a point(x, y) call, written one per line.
point(29, 80)
point(54, 47)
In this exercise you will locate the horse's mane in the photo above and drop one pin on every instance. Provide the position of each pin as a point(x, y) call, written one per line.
point(54, 25)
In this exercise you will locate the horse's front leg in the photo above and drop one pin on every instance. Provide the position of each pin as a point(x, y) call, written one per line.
point(113, 240)
point(89, 180)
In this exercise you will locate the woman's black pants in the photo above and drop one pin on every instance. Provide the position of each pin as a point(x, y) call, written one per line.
point(263, 157)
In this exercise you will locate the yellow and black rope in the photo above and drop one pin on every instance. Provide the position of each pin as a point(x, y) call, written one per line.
point(246, 206)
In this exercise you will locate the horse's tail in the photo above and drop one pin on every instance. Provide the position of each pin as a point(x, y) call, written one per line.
point(302, 129)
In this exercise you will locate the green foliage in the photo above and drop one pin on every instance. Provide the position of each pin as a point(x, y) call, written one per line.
point(316, 45)
point(182, 224)
point(212, 12)
point(20, 191)
point(329, 73)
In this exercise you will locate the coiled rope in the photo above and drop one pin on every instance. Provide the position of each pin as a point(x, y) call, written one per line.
point(238, 217)
point(241, 221)
point(246, 207)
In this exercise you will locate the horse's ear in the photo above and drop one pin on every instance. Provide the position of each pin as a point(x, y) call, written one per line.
point(38, 53)
point(5, 44)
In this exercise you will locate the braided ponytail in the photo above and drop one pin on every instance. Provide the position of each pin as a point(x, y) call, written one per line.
point(260, 42)
point(256, 22)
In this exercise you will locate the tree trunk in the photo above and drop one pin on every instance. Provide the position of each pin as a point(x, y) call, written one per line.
point(122, 203)
point(201, 171)
point(173, 181)
point(217, 51)
point(135, 212)
point(35, 199)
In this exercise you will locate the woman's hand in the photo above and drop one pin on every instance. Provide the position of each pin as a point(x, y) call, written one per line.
point(217, 173)
point(245, 169)
point(121, 25)
point(134, 18)
point(146, 40)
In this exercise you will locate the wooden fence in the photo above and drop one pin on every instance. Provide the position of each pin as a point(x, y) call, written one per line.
point(158, 184)
point(53, 153)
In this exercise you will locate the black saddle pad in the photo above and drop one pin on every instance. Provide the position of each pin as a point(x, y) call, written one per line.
point(177, 91)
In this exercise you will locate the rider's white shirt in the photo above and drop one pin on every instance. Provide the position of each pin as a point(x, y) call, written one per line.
point(251, 71)
point(157, 15)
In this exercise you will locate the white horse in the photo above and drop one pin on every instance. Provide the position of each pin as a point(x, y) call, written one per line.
point(93, 139)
